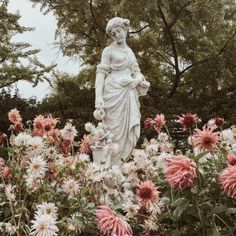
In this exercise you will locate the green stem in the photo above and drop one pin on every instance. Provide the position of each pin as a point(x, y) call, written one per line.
point(11, 208)
point(215, 215)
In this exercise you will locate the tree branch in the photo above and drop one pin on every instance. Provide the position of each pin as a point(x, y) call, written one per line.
point(93, 16)
point(178, 14)
point(139, 30)
point(175, 54)
point(165, 59)
point(210, 58)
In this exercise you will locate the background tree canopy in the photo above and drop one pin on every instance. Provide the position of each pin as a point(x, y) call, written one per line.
point(17, 60)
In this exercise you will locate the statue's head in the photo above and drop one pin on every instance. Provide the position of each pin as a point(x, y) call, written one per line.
point(115, 25)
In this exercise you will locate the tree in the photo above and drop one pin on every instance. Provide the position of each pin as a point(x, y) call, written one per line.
point(71, 99)
point(174, 37)
point(27, 107)
point(17, 60)
point(185, 49)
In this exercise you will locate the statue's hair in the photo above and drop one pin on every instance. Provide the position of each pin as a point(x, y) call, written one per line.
point(117, 21)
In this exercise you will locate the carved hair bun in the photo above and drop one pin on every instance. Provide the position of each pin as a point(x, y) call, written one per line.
point(117, 21)
point(126, 22)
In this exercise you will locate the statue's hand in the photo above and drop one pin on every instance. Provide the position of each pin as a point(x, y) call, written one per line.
point(99, 103)
point(144, 84)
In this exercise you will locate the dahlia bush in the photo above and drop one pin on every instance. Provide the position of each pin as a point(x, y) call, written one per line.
point(51, 186)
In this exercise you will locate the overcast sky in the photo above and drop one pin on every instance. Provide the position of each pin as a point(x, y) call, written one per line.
point(42, 38)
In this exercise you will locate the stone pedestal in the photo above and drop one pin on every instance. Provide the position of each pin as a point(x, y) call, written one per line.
point(101, 155)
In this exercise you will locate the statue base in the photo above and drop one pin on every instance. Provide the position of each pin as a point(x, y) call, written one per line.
point(101, 155)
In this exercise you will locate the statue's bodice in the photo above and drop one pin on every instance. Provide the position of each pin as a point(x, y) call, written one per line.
point(121, 62)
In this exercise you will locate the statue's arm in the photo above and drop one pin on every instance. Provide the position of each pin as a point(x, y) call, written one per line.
point(102, 71)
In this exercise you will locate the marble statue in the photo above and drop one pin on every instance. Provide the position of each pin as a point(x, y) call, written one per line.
point(119, 83)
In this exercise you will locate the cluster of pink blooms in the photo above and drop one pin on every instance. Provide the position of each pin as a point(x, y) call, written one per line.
point(157, 123)
point(180, 172)
point(45, 126)
point(110, 224)
point(16, 119)
point(205, 139)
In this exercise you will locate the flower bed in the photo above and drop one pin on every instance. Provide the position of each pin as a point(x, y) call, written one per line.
point(49, 186)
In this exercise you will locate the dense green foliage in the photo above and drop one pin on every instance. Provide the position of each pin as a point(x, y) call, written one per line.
point(184, 48)
point(18, 60)
point(71, 100)
point(10, 101)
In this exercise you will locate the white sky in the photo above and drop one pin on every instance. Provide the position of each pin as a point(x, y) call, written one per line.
point(41, 38)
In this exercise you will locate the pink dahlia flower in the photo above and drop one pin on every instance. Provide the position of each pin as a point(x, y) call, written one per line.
point(228, 181)
point(147, 193)
point(205, 139)
point(148, 123)
point(231, 159)
point(85, 144)
point(38, 126)
point(188, 121)
point(110, 224)
point(180, 172)
point(49, 123)
point(14, 116)
point(18, 127)
point(159, 122)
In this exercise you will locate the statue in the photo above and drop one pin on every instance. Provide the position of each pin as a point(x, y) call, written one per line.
point(119, 83)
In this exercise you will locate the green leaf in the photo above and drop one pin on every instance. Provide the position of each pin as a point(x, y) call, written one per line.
point(179, 201)
point(219, 209)
point(202, 154)
point(165, 200)
point(230, 211)
point(180, 209)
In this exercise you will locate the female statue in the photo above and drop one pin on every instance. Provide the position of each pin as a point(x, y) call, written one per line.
point(119, 83)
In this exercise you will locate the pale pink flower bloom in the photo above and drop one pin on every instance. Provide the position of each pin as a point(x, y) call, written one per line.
point(69, 159)
point(180, 172)
point(85, 144)
point(231, 159)
point(147, 193)
point(6, 172)
point(159, 122)
point(148, 123)
point(205, 139)
point(38, 125)
point(228, 181)
point(18, 127)
point(188, 121)
point(54, 136)
point(110, 224)
point(69, 132)
point(49, 123)
point(166, 147)
point(66, 146)
point(14, 116)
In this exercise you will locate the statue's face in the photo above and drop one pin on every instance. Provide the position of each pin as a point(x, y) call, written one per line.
point(118, 34)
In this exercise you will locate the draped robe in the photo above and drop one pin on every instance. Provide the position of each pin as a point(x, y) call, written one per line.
point(122, 114)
